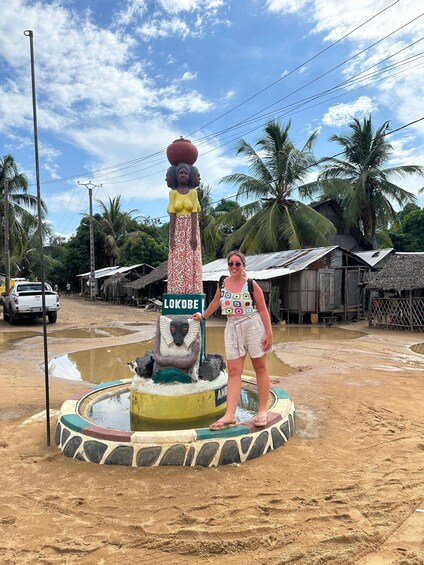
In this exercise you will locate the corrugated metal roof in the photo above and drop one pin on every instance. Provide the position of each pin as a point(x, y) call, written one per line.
point(270, 265)
point(375, 256)
point(108, 271)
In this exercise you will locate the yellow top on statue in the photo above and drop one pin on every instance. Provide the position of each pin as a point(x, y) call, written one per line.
point(183, 204)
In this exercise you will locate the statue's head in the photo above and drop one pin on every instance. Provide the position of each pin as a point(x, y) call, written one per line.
point(194, 178)
point(171, 177)
point(183, 174)
point(179, 329)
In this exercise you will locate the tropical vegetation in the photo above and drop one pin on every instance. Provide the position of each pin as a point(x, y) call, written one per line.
point(275, 219)
point(360, 181)
point(268, 215)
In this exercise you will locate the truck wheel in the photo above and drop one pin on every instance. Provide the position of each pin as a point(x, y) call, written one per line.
point(13, 318)
point(52, 316)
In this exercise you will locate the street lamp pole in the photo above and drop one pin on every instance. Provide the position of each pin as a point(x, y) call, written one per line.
point(89, 185)
point(6, 235)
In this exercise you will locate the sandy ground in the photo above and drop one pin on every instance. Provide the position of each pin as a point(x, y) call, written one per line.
point(346, 489)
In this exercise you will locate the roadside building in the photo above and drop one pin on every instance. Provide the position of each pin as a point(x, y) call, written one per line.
point(398, 301)
point(317, 284)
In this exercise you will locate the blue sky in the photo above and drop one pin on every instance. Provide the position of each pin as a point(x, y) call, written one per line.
point(117, 81)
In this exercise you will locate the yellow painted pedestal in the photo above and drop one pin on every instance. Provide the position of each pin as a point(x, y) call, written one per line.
point(177, 402)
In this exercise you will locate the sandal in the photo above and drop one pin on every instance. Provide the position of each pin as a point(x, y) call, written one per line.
point(221, 425)
point(261, 421)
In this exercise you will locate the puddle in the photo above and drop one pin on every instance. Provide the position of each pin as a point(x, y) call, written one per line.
point(114, 413)
point(81, 333)
point(418, 348)
point(7, 338)
point(106, 364)
point(307, 333)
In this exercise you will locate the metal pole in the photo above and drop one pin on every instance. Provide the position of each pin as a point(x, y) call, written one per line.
point(6, 235)
point(29, 33)
point(90, 187)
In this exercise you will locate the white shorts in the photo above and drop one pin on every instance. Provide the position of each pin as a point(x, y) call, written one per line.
point(244, 334)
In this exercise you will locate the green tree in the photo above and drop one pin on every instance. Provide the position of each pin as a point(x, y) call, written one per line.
point(28, 261)
point(142, 247)
point(22, 206)
point(409, 234)
point(77, 259)
point(275, 220)
point(364, 189)
point(115, 224)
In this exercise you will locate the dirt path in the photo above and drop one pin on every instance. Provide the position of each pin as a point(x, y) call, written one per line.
point(345, 489)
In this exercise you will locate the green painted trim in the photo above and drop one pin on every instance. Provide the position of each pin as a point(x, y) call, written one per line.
point(280, 393)
point(107, 384)
point(206, 433)
point(74, 422)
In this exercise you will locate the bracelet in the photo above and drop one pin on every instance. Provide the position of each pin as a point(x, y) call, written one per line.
point(203, 318)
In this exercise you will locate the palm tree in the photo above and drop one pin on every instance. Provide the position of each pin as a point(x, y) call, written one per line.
point(360, 184)
point(22, 206)
point(275, 219)
point(27, 260)
point(115, 225)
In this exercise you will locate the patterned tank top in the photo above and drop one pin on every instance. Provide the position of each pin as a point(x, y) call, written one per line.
point(236, 303)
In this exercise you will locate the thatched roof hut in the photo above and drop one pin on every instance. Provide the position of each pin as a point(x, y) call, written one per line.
point(154, 282)
point(158, 274)
point(115, 279)
point(404, 271)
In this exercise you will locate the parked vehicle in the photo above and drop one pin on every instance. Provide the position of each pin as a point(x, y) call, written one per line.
point(25, 300)
point(3, 285)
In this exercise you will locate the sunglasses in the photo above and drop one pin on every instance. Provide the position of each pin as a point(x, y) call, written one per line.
point(237, 264)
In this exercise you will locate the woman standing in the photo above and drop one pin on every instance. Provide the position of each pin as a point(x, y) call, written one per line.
point(185, 256)
point(248, 330)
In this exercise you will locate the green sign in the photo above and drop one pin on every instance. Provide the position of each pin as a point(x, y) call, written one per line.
point(183, 303)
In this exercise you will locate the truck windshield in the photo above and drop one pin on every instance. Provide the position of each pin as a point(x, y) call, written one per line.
point(30, 288)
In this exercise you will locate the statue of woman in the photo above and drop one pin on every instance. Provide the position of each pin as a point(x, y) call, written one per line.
point(185, 256)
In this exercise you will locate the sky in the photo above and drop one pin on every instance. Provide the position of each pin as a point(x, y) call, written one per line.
point(118, 80)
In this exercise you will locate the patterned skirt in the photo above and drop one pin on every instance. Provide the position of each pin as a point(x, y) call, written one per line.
point(184, 264)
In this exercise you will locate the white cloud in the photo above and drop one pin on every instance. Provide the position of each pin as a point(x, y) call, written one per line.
point(189, 76)
point(341, 114)
point(285, 6)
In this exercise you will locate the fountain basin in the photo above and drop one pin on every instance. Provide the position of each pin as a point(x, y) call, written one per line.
point(82, 440)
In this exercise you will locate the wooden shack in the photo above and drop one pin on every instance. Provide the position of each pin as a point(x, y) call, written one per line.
point(399, 304)
point(150, 286)
point(321, 283)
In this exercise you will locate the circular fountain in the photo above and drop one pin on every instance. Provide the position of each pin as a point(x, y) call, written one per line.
point(78, 436)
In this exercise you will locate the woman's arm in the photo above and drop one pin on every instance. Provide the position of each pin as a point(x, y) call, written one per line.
point(262, 309)
point(172, 243)
point(193, 237)
point(213, 305)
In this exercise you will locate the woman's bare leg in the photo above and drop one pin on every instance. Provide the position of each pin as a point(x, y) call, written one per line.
point(262, 382)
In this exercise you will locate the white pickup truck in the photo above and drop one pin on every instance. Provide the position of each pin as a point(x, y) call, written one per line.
point(25, 300)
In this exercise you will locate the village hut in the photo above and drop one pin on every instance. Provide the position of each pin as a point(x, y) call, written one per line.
point(102, 275)
point(322, 283)
point(149, 287)
point(400, 288)
point(113, 289)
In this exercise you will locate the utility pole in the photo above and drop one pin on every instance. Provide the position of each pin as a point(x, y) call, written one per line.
point(6, 235)
point(92, 279)
point(29, 33)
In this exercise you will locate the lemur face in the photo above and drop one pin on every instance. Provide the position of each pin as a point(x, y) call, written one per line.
point(179, 330)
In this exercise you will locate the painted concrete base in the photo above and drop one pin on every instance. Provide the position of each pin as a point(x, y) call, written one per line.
point(182, 403)
point(79, 438)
